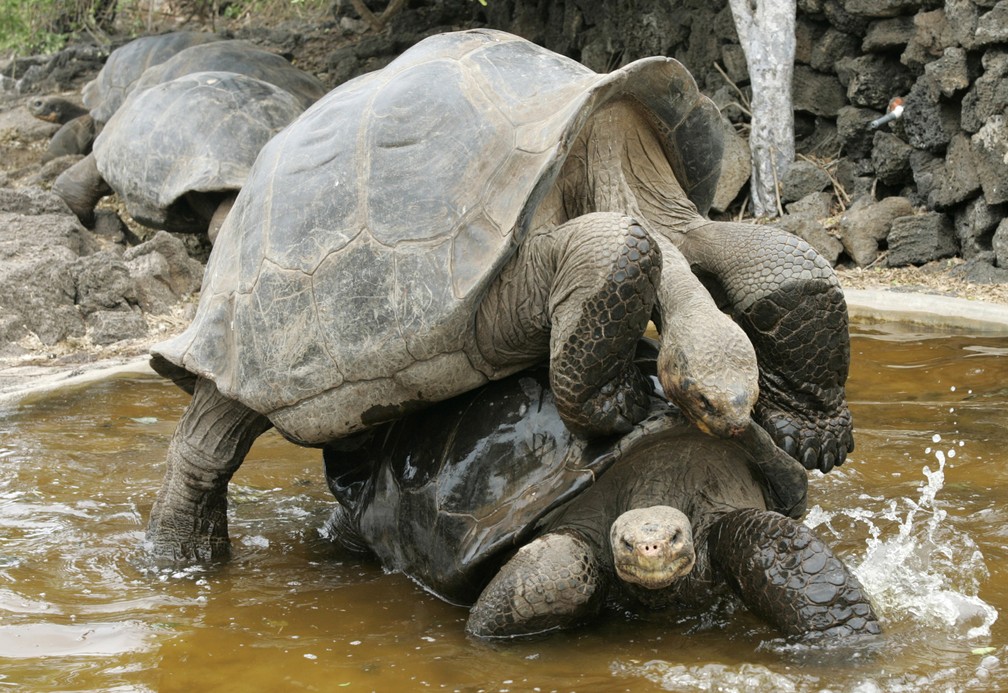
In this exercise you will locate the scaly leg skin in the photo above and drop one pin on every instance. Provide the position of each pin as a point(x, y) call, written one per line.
point(189, 518)
point(788, 300)
point(551, 583)
point(583, 293)
point(81, 187)
point(788, 576)
point(804, 406)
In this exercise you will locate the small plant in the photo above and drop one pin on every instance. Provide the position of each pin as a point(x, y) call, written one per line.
point(43, 26)
point(26, 26)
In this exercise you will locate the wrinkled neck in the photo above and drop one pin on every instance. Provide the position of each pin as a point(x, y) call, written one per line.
point(617, 164)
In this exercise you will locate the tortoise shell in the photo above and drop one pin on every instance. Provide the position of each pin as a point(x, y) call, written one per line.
point(106, 92)
point(198, 134)
point(239, 57)
point(343, 287)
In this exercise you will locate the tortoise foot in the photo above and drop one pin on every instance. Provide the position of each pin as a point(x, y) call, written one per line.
point(818, 440)
point(786, 574)
point(169, 540)
point(618, 406)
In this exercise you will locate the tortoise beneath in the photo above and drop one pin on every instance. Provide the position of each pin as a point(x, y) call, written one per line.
point(487, 498)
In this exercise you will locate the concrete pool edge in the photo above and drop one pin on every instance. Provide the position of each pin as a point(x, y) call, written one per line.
point(22, 384)
point(926, 310)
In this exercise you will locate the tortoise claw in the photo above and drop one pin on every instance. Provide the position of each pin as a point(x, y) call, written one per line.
point(815, 442)
point(827, 462)
point(790, 446)
point(810, 458)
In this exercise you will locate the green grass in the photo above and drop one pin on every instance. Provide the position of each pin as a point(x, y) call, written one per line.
point(30, 27)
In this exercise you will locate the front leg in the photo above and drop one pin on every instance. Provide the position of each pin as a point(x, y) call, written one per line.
point(553, 582)
point(189, 518)
point(787, 575)
point(788, 300)
point(583, 293)
point(81, 187)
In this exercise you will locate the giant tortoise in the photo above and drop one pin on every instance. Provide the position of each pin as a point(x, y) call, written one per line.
point(108, 90)
point(163, 150)
point(477, 206)
point(178, 152)
point(240, 57)
point(487, 499)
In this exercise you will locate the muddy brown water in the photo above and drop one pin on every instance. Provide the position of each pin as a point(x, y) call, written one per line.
point(920, 511)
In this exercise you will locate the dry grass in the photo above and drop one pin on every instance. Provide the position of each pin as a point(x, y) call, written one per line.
point(933, 278)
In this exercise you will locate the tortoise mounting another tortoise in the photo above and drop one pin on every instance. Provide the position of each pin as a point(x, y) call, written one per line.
point(479, 205)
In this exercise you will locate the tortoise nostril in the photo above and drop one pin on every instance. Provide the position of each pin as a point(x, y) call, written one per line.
point(650, 549)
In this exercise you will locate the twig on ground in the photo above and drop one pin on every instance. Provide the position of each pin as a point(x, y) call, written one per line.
point(744, 102)
point(377, 22)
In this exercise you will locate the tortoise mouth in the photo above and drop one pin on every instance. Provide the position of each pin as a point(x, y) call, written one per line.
point(726, 419)
point(654, 577)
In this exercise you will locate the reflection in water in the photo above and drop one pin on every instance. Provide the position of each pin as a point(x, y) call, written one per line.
point(920, 510)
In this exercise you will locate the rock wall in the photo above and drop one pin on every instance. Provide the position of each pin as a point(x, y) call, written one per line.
point(946, 157)
point(948, 153)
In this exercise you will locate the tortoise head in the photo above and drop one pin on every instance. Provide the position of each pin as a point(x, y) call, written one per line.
point(54, 109)
point(712, 377)
point(44, 109)
point(652, 547)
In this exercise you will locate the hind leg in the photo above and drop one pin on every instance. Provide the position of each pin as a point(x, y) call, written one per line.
point(189, 518)
point(583, 293)
point(787, 575)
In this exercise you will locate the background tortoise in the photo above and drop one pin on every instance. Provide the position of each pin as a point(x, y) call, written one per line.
point(184, 187)
point(77, 130)
point(664, 517)
point(177, 153)
point(476, 206)
point(239, 57)
point(107, 91)
point(104, 94)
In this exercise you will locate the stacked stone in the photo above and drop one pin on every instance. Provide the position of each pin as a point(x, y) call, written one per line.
point(939, 172)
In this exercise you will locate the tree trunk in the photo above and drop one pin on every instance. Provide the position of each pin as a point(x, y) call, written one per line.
point(766, 29)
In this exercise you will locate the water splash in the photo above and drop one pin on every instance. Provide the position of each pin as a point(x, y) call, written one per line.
point(919, 566)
